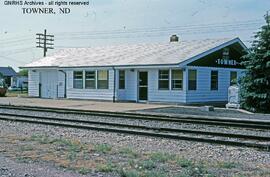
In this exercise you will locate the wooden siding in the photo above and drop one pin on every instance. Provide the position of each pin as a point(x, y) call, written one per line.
point(204, 92)
point(61, 85)
point(33, 83)
point(130, 91)
point(156, 95)
point(95, 94)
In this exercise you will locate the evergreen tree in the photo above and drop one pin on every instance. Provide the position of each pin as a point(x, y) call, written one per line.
point(255, 86)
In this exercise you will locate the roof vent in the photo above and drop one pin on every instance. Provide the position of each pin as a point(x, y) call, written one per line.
point(174, 38)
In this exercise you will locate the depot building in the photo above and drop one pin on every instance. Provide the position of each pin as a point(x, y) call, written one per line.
point(194, 71)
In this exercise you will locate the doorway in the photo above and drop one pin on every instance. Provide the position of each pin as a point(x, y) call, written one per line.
point(143, 85)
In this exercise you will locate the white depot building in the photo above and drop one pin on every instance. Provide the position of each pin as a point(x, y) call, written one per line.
point(177, 71)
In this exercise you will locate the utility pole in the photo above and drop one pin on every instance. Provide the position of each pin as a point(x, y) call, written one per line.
point(45, 41)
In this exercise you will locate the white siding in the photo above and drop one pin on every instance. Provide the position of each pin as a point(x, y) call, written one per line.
point(61, 85)
point(130, 91)
point(204, 92)
point(96, 94)
point(33, 83)
point(156, 95)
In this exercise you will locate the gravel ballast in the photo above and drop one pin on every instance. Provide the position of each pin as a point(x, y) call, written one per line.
point(251, 158)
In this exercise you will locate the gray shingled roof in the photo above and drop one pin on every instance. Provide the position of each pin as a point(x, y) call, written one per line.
point(129, 55)
point(7, 71)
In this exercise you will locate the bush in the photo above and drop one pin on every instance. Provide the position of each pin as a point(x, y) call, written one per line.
point(3, 92)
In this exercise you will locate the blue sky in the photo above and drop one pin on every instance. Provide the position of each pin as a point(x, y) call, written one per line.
point(107, 22)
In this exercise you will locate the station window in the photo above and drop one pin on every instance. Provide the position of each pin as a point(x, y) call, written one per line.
point(90, 79)
point(177, 79)
point(214, 80)
point(122, 79)
point(192, 80)
point(163, 80)
point(102, 81)
point(78, 79)
point(233, 78)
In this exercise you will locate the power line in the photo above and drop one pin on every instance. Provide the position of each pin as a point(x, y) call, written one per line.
point(184, 27)
point(8, 59)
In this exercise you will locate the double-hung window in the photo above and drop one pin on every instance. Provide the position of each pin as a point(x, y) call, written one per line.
point(192, 80)
point(90, 79)
point(163, 80)
point(78, 79)
point(102, 82)
point(177, 79)
point(214, 80)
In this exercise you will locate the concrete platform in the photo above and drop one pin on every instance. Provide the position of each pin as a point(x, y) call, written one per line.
point(78, 104)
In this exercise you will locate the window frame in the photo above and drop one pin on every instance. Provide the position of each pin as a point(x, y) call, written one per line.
point(86, 79)
point(196, 78)
point(236, 74)
point(122, 81)
point(214, 86)
point(162, 79)
point(76, 79)
point(173, 79)
point(107, 79)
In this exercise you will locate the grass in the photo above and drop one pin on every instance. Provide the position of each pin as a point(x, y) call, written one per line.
point(184, 163)
point(16, 93)
point(148, 165)
point(128, 173)
point(103, 148)
point(128, 152)
point(161, 157)
point(126, 162)
point(84, 171)
point(227, 165)
point(42, 139)
point(107, 167)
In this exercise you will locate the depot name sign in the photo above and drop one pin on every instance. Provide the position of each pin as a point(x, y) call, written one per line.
point(227, 62)
point(46, 7)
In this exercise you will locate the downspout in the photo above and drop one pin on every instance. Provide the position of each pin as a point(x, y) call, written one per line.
point(65, 85)
point(114, 83)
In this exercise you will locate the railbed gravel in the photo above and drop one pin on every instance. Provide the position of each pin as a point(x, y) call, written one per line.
point(191, 150)
point(148, 123)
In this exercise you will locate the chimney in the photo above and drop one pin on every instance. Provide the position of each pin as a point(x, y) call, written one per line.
point(174, 38)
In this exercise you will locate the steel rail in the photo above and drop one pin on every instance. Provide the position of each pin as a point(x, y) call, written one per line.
point(164, 129)
point(265, 147)
point(180, 119)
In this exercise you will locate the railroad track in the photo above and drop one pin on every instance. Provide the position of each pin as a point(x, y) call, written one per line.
point(243, 123)
point(260, 142)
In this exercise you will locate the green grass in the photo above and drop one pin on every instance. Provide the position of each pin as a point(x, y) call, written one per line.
point(103, 148)
point(26, 148)
point(108, 167)
point(16, 93)
point(161, 157)
point(227, 165)
point(184, 163)
point(42, 139)
point(128, 152)
point(128, 173)
point(23, 159)
point(148, 164)
point(84, 171)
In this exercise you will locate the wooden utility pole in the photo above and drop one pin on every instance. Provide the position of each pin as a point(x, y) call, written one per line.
point(45, 41)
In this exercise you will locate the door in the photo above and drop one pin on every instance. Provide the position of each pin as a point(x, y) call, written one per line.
point(143, 86)
point(48, 84)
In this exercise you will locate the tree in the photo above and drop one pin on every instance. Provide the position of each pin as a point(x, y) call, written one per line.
point(255, 85)
point(23, 72)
